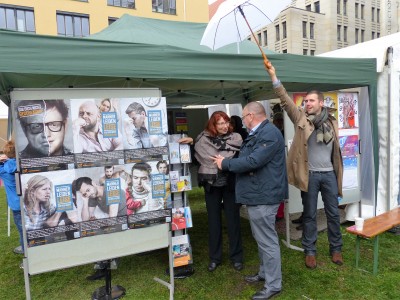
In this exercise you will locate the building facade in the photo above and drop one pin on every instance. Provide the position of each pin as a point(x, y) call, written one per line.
point(84, 17)
point(311, 27)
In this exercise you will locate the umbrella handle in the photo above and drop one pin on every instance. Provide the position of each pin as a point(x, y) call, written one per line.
point(266, 61)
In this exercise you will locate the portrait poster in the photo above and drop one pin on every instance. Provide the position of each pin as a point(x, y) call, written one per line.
point(147, 192)
point(349, 145)
point(331, 102)
point(144, 122)
point(298, 99)
point(97, 133)
point(101, 200)
point(43, 135)
point(348, 110)
point(49, 209)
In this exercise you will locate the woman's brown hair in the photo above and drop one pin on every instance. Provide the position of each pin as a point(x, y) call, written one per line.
point(211, 125)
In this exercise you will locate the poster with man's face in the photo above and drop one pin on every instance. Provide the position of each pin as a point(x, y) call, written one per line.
point(144, 122)
point(43, 131)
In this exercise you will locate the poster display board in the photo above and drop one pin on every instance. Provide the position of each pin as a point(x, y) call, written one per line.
point(344, 107)
point(91, 171)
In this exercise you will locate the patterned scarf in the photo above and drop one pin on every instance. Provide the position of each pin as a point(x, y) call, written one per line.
point(206, 145)
point(321, 124)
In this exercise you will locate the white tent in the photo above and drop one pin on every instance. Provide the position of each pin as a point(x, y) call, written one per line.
point(386, 50)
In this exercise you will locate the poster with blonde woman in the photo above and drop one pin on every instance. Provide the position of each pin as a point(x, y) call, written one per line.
point(49, 209)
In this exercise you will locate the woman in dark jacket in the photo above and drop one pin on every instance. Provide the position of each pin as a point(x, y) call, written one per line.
point(219, 187)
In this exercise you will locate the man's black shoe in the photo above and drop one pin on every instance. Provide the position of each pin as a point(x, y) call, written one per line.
point(264, 294)
point(299, 220)
point(212, 266)
point(97, 275)
point(253, 278)
point(238, 266)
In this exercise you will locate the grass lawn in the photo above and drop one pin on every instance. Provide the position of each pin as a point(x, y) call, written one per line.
point(136, 272)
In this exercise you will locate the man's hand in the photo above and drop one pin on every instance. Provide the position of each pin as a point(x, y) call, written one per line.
point(271, 70)
point(146, 185)
point(79, 123)
point(218, 160)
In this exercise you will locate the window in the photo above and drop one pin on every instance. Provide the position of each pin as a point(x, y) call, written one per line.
point(338, 7)
point(305, 51)
point(265, 38)
point(165, 6)
point(312, 31)
point(356, 36)
point(373, 14)
point(378, 17)
point(259, 38)
point(378, 35)
point(356, 10)
point(362, 35)
point(312, 52)
point(111, 20)
point(316, 7)
point(373, 35)
point(17, 18)
point(308, 7)
point(304, 29)
point(72, 24)
point(284, 30)
point(122, 3)
point(277, 33)
point(345, 7)
point(284, 51)
point(345, 33)
point(362, 11)
point(339, 29)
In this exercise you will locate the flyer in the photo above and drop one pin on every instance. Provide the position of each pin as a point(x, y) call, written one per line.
point(181, 250)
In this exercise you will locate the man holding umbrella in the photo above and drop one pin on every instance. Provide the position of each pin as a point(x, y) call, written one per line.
point(314, 165)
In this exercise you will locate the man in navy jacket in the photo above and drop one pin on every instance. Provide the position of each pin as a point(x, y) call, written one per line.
point(261, 184)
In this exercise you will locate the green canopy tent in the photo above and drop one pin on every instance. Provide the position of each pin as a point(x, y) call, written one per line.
point(137, 52)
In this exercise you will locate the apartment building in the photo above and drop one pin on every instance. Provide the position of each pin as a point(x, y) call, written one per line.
point(81, 18)
point(311, 27)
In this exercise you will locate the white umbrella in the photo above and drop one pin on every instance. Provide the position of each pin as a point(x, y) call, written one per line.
point(235, 21)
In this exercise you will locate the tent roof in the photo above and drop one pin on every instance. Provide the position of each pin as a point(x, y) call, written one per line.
point(370, 49)
point(185, 35)
point(185, 76)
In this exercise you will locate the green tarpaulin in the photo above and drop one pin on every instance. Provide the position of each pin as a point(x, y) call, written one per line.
point(139, 52)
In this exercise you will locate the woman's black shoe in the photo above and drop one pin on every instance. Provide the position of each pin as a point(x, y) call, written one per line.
point(212, 266)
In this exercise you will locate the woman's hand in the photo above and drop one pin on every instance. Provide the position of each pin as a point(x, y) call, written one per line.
point(186, 140)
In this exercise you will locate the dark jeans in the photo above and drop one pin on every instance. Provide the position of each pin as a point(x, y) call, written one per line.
point(326, 183)
point(18, 223)
point(214, 197)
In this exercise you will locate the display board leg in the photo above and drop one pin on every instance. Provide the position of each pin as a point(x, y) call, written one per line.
point(287, 220)
point(108, 292)
point(26, 277)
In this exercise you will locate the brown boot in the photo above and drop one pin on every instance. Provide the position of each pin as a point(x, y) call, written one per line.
point(311, 262)
point(337, 258)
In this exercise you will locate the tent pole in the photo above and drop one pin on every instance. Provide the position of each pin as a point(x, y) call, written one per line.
point(389, 171)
